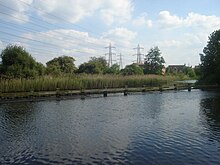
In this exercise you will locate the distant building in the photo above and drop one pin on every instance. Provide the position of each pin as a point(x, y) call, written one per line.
point(176, 68)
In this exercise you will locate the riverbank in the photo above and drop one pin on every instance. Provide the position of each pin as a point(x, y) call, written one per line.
point(71, 94)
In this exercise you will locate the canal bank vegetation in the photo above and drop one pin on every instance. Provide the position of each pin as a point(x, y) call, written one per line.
point(210, 61)
point(84, 81)
point(20, 72)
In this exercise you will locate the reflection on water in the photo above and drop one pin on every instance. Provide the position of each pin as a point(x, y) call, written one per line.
point(154, 128)
point(210, 112)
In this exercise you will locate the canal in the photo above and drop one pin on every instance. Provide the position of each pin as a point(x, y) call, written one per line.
point(152, 128)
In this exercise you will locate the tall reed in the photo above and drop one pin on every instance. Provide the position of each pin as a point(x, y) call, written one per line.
point(77, 82)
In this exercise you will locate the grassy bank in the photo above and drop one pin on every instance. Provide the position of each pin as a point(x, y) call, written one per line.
point(78, 82)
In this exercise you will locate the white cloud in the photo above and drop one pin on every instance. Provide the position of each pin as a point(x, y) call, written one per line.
point(168, 43)
point(210, 23)
point(14, 10)
point(74, 11)
point(142, 20)
point(120, 33)
point(198, 20)
point(168, 20)
point(116, 11)
point(69, 10)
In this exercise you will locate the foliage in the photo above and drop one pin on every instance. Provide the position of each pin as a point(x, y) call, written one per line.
point(85, 81)
point(93, 66)
point(154, 62)
point(210, 60)
point(114, 69)
point(17, 62)
point(132, 69)
point(185, 70)
point(190, 72)
point(62, 64)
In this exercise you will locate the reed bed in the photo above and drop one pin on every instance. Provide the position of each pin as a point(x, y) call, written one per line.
point(78, 82)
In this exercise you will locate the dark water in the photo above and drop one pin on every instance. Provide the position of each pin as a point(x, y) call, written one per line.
point(168, 128)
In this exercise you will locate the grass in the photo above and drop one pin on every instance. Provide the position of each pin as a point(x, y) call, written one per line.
point(78, 82)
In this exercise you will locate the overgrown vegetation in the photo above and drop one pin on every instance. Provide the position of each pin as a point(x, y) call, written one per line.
point(77, 82)
point(21, 73)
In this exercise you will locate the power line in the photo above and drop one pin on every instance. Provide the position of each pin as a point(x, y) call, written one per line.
point(110, 47)
point(43, 27)
point(62, 19)
point(138, 54)
point(120, 61)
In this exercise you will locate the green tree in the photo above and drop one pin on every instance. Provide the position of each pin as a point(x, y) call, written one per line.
point(154, 62)
point(114, 69)
point(93, 66)
point(190, 72)
point(17, 62)
point(210, 60)
point(62, 64)
point(132, 69)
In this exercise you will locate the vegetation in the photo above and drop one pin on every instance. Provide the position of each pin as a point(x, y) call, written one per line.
point(17, 62)
point(93, 66)
point(154, 62)
point(210, 60)
point(21, 73)
point(48, 83)
point(61, 65)
point(132, 69)
point(186, 71)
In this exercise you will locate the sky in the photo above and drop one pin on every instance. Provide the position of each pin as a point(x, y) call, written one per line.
point(85, 28)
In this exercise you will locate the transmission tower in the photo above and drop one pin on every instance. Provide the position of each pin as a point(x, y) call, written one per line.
point(120, 61)
point(139, 59)
point(110, 47)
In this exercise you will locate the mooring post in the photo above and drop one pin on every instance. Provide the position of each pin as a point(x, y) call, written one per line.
point(144, 90)
point(126, 90)
point(58, 93)
point(105, 92)
point(160, 88)
point(189, 87)
point(175, 87)
point(82, 93)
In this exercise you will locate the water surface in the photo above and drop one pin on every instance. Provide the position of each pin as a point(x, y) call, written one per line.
point(153, 128)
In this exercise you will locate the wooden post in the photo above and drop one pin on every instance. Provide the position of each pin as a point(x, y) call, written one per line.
point(105, 92)
point(175, 87)
point(126, 90)
point(160, 88)
point(58, 93)
point(189, 87)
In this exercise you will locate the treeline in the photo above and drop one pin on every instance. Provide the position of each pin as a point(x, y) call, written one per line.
point(16, 62)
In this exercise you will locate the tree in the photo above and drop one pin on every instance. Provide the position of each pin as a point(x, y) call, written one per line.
point(190, 72)
point(114, 69)
point(62, 64)
point(132, 69)
point(154, 62)
point(210, 60)
point(93, 66)
point(17, 62)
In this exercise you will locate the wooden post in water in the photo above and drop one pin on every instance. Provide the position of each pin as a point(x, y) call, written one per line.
point(189, 87)
point(105, 92)
point(175, 87)
point(160, 88)
point(144, 90)
point(82, 93)
point(126, 90)
point(58, 93)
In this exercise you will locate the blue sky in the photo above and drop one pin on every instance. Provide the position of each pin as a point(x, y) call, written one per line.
point(83, 28)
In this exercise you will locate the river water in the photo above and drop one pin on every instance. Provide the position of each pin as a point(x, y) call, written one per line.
point(153, 128)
